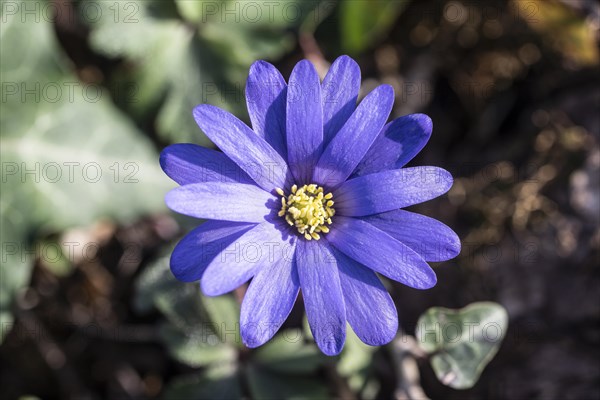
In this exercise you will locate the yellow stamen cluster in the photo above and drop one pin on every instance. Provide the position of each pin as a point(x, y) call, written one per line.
point(307, 208)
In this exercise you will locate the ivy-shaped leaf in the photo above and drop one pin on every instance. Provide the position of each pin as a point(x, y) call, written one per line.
point(68, 155)
point(462, 342)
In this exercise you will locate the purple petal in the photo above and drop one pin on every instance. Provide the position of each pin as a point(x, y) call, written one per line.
point(304, 121)
point(266, 93)
point(369, 307)
point(351, 143)
point(322, 292)
point(397, 144)
point(269, 301)
point(244, 147)
point(256, 249)
point(339, 92)
point(382, 253)
point(389, 190)
point(199, 247)
point(222, 201)
point(189, 163)
point(430, 238)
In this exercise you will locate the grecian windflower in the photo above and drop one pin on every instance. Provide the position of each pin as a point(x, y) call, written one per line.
point(310, 198)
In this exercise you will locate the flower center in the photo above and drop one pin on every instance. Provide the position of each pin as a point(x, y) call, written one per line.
point(307, 208)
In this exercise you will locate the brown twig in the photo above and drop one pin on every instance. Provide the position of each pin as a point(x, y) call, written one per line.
point(312, 52)
point(405, 352)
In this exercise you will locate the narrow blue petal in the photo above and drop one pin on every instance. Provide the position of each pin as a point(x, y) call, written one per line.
point(322, 293)
point(199, 247)
point(398, 143)
point(304, 121)
point(369, 307)
point(256, 249)
point(269, 300)
point(222, 201)
point(187, 163)
point(244, 147)
point(339, 92)
point(390, 190)
point(352, 142)
point(380, 252)
point(266, 93)
point(430, 238)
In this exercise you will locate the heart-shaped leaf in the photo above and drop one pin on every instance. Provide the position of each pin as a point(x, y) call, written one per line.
point(69, 157)
point(462, 342)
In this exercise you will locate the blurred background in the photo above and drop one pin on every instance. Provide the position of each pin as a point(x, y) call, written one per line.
point(93, 90)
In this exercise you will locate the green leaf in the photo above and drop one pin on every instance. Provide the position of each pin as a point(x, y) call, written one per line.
point(190, 336)
point(162, 65)
point(265, 384)
point(52, 257)
point(250, 16)
point(73, 157)
point(182, 307)
point(288, 353)
point(217, 382)
point(16, 264)
point(6, 322)
point(180, 302)
point(224, 313)
point(355, 360)
point(68, 155)
point(155, 280)
point(364, 21)
point(176, 64)
point(462, 342)
point(198, 348)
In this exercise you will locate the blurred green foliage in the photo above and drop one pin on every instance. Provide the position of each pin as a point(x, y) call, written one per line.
point(69, 156)
point(202, 331)
point(364, 22)
point(183, 53)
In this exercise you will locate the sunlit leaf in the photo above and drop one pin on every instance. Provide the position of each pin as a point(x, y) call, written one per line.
point(224, 314)
point(364, 21)
point(355, 360)
point(562, 28)
point(68, 155)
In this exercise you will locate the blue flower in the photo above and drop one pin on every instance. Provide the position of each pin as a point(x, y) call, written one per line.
point(310, 198)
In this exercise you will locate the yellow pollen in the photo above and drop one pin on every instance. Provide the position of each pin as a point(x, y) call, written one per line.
point(308, 209)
